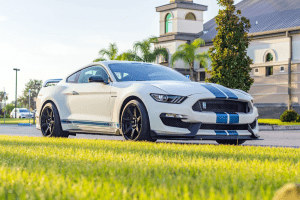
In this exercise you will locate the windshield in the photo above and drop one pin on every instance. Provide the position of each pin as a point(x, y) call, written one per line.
point(24, 110)
point(144, 72)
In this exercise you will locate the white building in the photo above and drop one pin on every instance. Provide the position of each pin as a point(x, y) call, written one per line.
point(275, 48)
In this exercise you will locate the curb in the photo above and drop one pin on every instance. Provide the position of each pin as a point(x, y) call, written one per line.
point(278, 128)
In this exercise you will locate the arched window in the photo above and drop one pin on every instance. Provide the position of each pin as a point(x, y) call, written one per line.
point(269, 57)
point(169, 23)
point(190, 16)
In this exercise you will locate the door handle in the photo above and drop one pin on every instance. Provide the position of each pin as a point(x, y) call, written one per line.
point(75, 93)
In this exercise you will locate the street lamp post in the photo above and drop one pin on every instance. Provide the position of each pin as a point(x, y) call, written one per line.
point(29, 106)
point(16, 69)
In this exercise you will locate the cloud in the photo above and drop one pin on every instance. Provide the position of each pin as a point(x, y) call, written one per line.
point(3, 18)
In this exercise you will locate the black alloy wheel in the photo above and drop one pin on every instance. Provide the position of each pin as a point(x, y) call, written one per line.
point(135, 124)
point(47, 121)
point(50, 122)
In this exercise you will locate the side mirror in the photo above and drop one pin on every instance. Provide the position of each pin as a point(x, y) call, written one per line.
point(97, 79)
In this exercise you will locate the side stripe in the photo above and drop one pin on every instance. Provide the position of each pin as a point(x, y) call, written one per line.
point(232, 132)
point(215, 91)
point(222, 118)
point(234, 118)
point(221, 133)
point(91, 123)
point(227, 92)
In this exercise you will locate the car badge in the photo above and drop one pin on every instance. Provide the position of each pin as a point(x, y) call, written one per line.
point(204, 105)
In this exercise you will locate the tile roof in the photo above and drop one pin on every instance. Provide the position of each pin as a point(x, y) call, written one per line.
point(270, 15)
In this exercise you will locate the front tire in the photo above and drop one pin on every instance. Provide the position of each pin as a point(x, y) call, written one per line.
point(231, 142)
point(135, 125)
point(50, 122)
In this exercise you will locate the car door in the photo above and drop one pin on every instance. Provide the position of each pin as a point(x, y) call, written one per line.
point(89, 103)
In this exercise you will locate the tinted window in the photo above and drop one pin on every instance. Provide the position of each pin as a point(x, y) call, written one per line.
point(144, 72)
point(92, 71)
point(73, 78)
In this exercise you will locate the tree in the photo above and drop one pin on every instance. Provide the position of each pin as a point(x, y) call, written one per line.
point(111, 53)
point(187, 53)
point(8, 108)
point(35, 86)
point(230, 62)
point(143, 51)
point(2, 96)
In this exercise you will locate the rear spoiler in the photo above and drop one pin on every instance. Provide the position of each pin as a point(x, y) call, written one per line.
point(51, 82)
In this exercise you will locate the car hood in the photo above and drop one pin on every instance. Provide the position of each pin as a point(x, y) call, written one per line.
point(191, 88)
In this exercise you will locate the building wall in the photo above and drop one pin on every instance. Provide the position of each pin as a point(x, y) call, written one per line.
point(180, 24)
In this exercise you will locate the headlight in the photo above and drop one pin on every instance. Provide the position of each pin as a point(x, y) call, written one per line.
point(163, 98)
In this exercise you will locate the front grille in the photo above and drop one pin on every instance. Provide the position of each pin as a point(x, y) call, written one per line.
point(173, 122)
point(214, 105)
point(224, 127)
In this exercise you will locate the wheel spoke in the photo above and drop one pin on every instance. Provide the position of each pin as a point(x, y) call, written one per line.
point(127, 131)
point(132, 133)
point(134, 110)
point(138, 119)
point(44, 125)
point(126, 120)
point(130, 113)
point(137, 128)
point(48, 114)
point(47, 129)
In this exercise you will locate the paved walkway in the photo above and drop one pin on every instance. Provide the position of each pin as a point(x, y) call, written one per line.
point(268, 138)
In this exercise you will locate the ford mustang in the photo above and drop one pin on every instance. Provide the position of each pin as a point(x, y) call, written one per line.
point(144, 102)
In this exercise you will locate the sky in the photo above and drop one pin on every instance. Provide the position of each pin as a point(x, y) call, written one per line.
point(53, 38)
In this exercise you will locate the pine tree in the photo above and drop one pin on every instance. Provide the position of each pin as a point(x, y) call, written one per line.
point(230, 62)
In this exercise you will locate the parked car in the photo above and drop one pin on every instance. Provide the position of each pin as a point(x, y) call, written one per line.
point(21, 113)
point(142, 101)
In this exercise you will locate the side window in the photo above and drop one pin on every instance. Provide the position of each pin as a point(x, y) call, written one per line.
point(73, 78)
point(92, 71)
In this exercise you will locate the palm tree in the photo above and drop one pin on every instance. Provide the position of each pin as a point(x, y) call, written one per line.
point(111, 53)
point(144, 53)
point(187, 53)
point(2, 96)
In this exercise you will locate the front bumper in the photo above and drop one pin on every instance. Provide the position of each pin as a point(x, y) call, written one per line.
point(214, 126)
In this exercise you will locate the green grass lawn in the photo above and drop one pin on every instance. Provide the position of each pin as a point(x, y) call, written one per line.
point(50, 168)
point(15, 121)
point(276, 122)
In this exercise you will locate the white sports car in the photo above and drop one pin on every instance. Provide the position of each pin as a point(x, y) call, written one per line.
point(142, 101)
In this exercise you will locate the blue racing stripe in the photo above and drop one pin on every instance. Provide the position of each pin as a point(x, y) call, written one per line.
point(232, 132)
point(227, 92)
point(215, 91)
point(220, 132)
point(234, 118)
point(222, 118)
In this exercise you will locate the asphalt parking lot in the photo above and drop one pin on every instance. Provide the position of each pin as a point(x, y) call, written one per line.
point(267, 138)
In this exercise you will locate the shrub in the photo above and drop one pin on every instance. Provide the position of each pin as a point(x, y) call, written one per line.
point(7, 116)
point(298, 118)
point(289, 116)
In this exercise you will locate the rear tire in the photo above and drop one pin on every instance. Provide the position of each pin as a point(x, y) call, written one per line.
point(135, 125)
point(50, 122)
point(231, 142)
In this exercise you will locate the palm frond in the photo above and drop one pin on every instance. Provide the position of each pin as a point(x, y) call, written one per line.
point(178, 55)
point(202, 58)
point(99, 60)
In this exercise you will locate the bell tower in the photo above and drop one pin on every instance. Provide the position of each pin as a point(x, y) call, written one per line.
point(181, 21)
point(181, 16)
